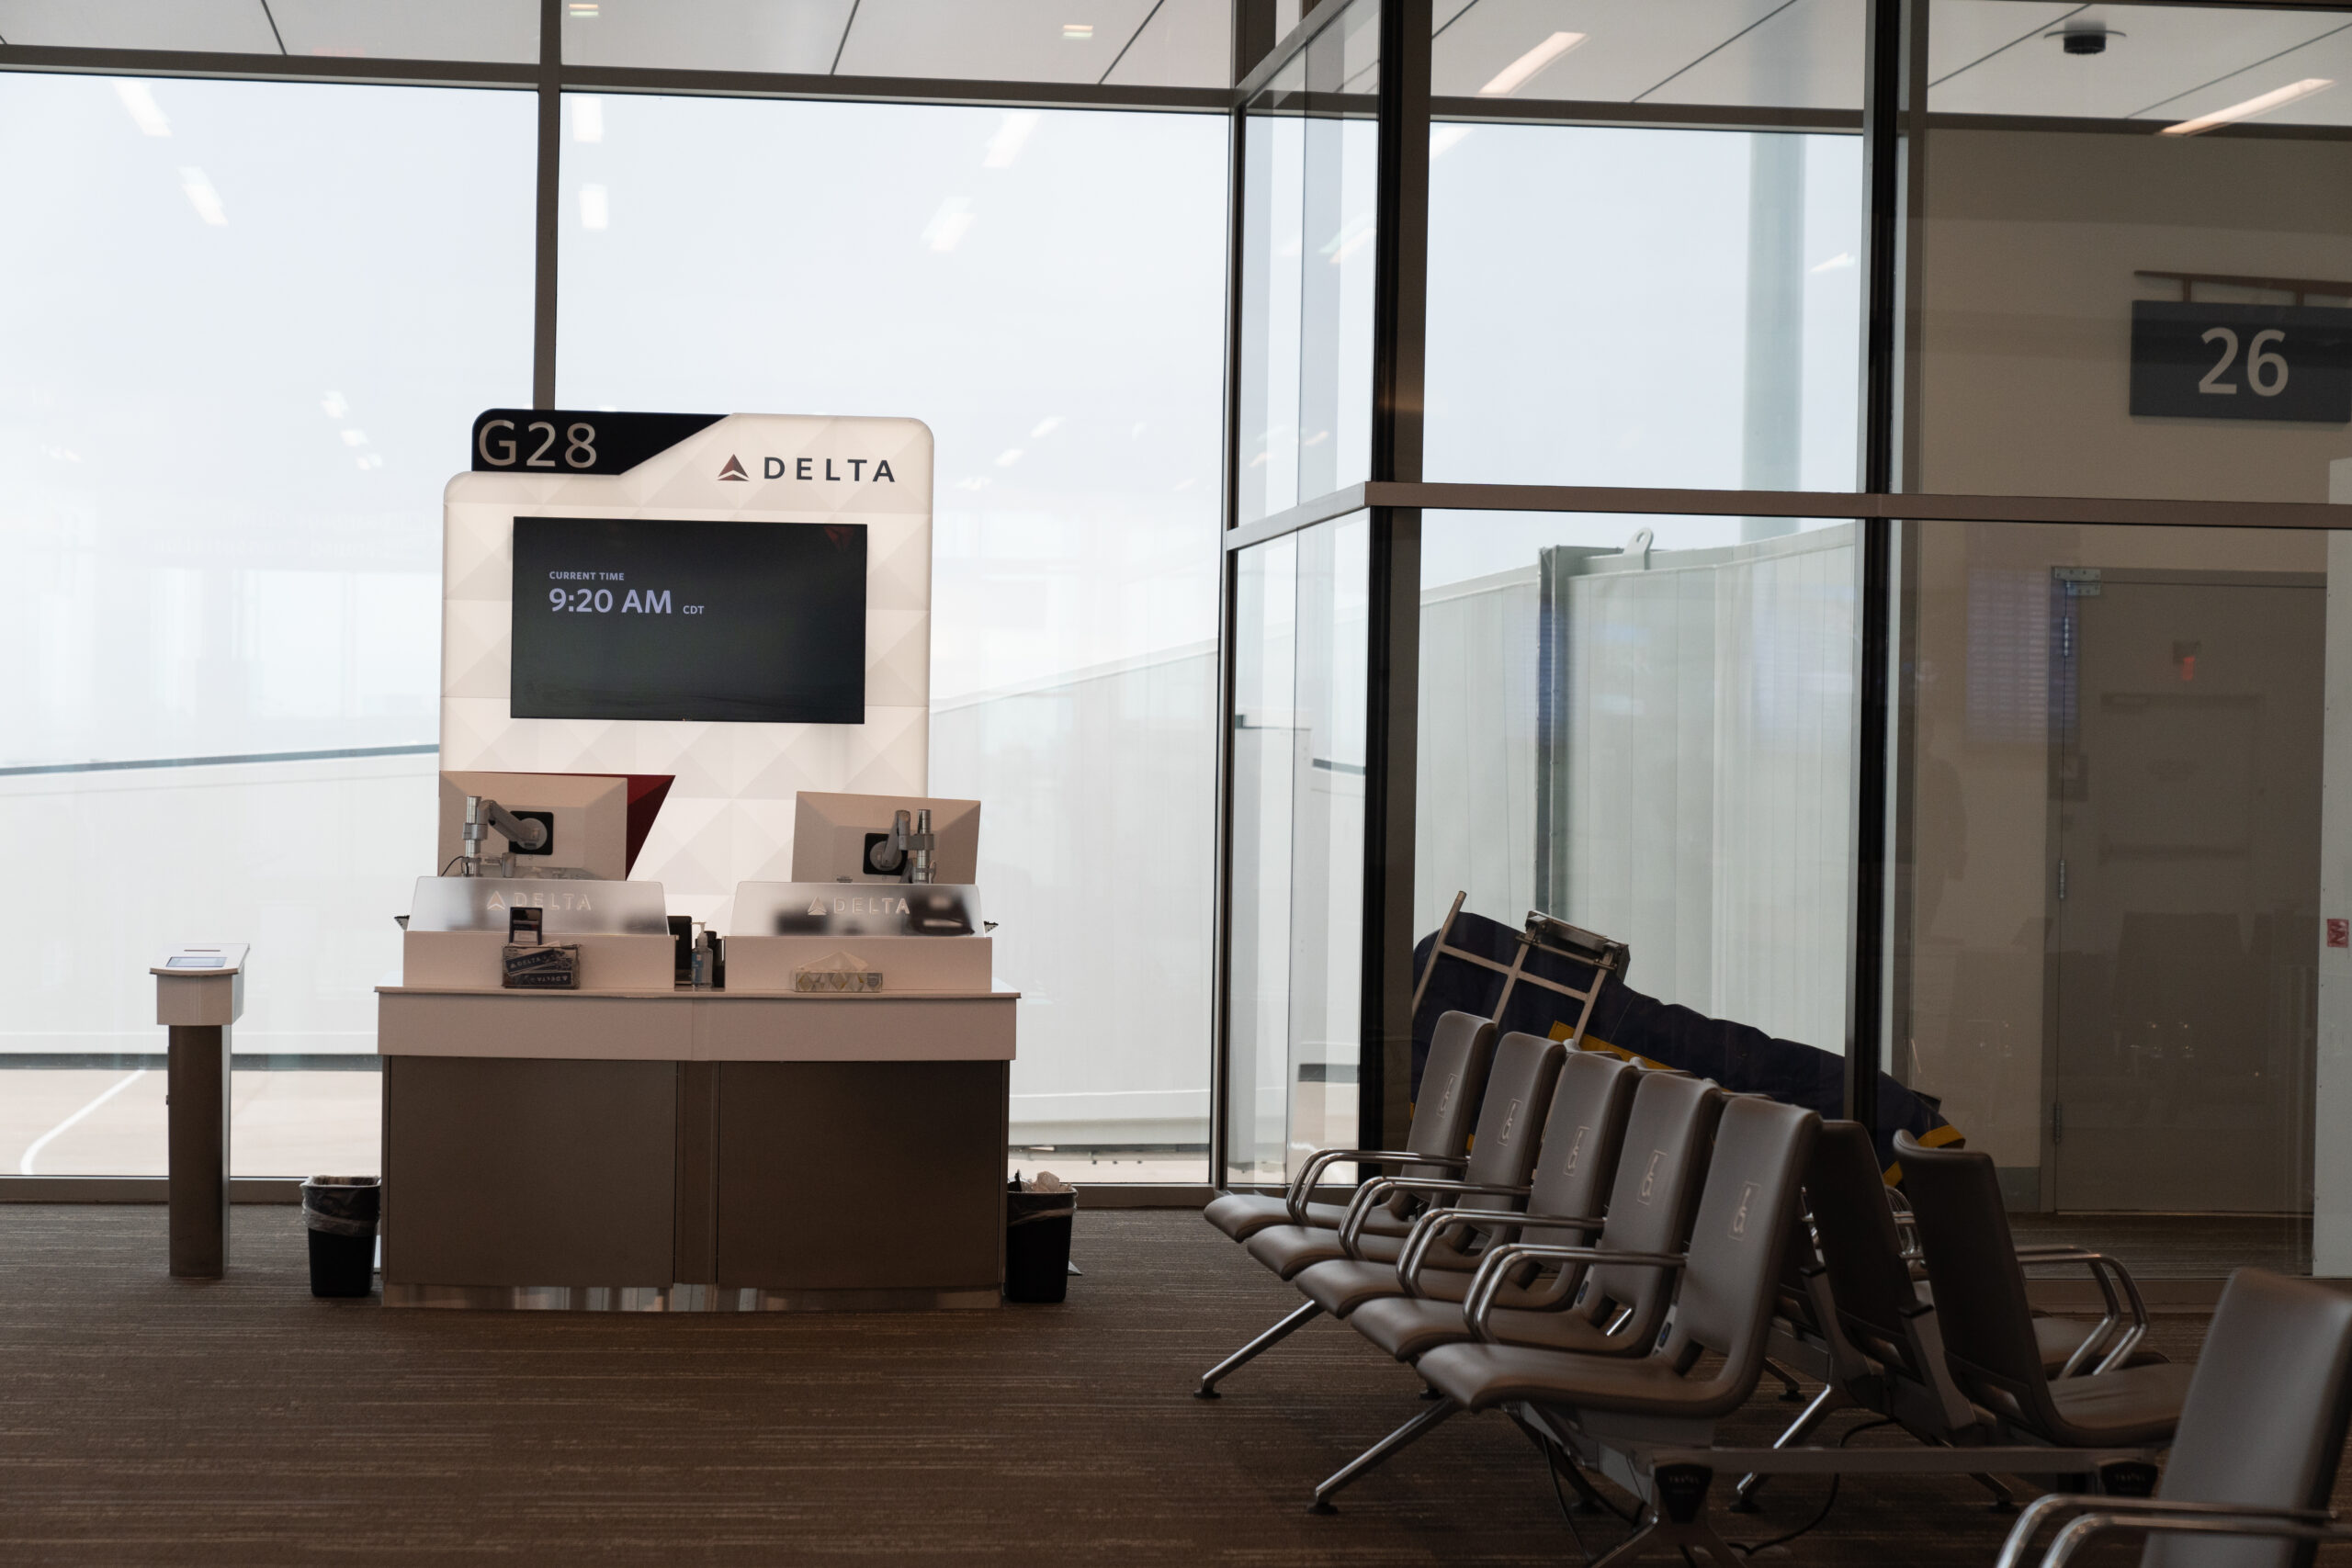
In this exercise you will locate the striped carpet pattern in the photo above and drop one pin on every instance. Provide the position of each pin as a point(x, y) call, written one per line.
point(145, 1420)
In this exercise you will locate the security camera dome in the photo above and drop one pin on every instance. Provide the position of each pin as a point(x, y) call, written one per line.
point(2083, 40)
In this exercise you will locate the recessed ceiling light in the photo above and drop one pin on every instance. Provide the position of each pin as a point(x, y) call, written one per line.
point(1521, 72)
point(585, 9)
point(1078, 32)
point(2277, 97)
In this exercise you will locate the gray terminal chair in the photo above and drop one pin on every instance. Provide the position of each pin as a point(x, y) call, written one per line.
point(2254, 1464)
point(1454, 1082)
point(1574, 1164)
point(1493, 1182)
point(1662, 1160)
point(1662, 1156)
point(1849, 1312)
point(1613, 1413)
point(1990, 1342)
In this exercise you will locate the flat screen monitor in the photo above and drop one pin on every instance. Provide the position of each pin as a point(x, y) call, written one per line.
point(646, 618)
point(834, 836)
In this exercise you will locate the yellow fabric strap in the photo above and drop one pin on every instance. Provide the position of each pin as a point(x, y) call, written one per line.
point(1595, 1043)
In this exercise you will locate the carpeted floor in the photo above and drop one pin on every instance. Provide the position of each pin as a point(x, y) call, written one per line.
point(146, 1420)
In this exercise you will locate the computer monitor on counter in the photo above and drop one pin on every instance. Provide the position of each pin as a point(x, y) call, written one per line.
point(834, 836)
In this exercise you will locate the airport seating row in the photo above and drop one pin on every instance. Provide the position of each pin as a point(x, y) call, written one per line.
point(1613, 1258)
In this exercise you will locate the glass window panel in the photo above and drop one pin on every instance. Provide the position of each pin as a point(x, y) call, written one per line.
point(1298, 775)
point(1678, 307)
point(250, 378)
point(1310, 148)
point(1642, 726)
point(1066, 356)
point(2118, 202)
point(1747, 53)
point(2124, 775)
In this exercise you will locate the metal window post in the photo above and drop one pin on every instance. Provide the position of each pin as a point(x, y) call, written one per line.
point(1400, 314)
point(1893, 56)
point(544, 271)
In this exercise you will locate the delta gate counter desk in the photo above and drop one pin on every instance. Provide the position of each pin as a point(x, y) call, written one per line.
point(637, 1145)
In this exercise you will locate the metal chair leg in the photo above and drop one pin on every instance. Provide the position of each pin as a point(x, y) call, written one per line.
point(1824, 1403)
point(1379, 1454)
point(1677, 1517)
point(2004, 1500)
point(1791, 1390)
point(1306, 1312)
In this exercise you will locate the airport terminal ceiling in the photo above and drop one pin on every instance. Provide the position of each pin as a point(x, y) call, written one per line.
point(2157, 62)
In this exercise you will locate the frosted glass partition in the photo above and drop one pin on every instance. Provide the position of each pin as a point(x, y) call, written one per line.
point(573, 909)
point(1643, 724)
point(856, 909)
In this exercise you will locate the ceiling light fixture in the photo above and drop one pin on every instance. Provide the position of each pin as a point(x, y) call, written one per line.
point(1523, 70)
point(2277, 98)
point(1077, 32)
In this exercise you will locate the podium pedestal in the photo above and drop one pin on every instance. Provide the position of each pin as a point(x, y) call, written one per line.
point(199, 992)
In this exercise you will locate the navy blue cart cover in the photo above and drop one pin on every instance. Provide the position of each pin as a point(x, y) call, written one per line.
point(1627, 1023)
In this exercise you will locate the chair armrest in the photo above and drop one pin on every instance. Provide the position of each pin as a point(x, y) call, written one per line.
point(1359, 1207)
point(1488, 1281)
point(2098, 1516)
point(2122, 1294)
point(1429, 1226)
point(1426, 1227)
point(1303, 1183)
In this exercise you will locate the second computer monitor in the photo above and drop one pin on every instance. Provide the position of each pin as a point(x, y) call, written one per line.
point(834, 836)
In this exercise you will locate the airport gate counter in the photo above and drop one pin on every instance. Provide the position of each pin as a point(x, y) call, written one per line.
point(795, 1140)
point(666, 657)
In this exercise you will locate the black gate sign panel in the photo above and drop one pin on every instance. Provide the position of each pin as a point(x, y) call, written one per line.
point(2285, 362)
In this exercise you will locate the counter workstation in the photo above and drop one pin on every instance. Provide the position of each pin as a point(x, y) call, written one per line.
point(637, 1145)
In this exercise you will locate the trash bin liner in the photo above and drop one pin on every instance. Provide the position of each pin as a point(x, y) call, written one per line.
point(1626, 1023)
point(340, 1213)
point(1037, 1243)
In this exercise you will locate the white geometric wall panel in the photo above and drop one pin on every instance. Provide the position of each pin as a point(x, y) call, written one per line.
point(728, 814)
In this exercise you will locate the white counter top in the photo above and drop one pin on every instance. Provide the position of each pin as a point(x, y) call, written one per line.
point(682, 1024)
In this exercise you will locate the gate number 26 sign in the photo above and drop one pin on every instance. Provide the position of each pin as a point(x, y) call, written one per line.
point(2277, 362)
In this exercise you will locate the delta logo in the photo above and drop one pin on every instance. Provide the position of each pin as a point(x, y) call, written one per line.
point(806, 468)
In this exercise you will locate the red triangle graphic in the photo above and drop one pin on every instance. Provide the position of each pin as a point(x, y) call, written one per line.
point(734, 470)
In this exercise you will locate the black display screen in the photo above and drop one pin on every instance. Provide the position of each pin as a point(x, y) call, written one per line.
point(747, 623)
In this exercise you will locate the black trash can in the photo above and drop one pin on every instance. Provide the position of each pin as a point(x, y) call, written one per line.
point(340, 1213)
point(1037, 1243)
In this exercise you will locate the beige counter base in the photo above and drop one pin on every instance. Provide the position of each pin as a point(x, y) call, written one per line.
point(696, 1026)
